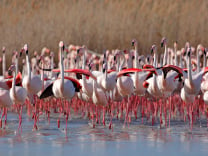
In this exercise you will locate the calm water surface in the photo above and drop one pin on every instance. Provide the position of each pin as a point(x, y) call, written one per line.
point(82, 139)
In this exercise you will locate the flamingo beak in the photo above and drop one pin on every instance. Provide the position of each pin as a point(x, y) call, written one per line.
point(132, 43)
point(152, 50)
point(9, 72)
point(162, 44)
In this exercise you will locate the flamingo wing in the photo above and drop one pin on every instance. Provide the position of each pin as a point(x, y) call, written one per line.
point(167, 68)
point(47, 92)
point(75, 82)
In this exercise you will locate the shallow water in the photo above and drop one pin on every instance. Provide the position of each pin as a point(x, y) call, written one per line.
point(82, 139)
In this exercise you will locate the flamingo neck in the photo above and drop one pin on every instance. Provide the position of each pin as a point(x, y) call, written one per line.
point(84, 60)
point(204, 61)
point(62, 68)
point(123, 62)
point(4, 64)
point(198, 61)
point(189, 70)
point(136, 57)
point(155, 59)
point(83, 67)
point(52, 66)
point(165, 56)
point(161, 61)
point(28, 67)
point(176, 58)
point(118, 63)
point(17, 63)
point(180, 63)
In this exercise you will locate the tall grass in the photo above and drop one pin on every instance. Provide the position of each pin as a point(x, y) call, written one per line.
point(101, 24)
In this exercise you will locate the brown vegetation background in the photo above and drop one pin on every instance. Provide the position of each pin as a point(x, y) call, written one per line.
point(101, 24)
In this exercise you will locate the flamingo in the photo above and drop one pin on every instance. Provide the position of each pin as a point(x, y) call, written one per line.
point(138, 77)
point(17, 94)
point(32, 83)
point(4, 62)
point(192, 83)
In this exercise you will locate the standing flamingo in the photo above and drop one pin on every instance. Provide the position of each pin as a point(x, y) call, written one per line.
point(17, 94)
point(32, 83)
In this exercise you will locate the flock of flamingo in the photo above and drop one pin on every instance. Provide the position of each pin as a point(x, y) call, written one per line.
point(120, 84)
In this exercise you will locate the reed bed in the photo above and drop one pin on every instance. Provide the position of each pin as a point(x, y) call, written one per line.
point(101, 24)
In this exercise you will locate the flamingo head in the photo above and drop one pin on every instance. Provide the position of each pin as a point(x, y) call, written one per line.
point(134, 42)
point(47, 50)
point(189, 52)
point(21, 52)
point(104, 67)
point(11, 69)
point(26, 49)
point(3, 49)
point(175, 44)
point(163, 41)
point(80, 51)
point(61, 45)
point(153, 48)
point(52, 54)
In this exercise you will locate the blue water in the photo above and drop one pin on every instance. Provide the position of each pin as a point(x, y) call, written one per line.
point(82, 139)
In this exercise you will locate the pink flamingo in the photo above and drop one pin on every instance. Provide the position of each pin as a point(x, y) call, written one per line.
point(17, 94)
point(32, 83)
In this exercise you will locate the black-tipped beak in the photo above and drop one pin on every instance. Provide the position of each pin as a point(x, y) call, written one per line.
point(9, 72)
point(20, 54)
point(162, 44)
point(132, 43)
point(151, 50)
point(63, 47)
point(78, 51)
point(103, 70)
point(114, 58)
point(133, 57)
point(189, 54)
point(148, 59)
point(26, 52)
